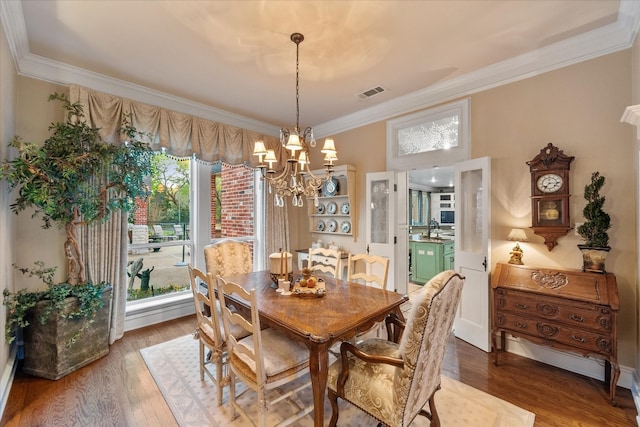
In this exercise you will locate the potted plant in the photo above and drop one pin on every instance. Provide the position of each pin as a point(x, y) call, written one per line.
point(594, 229)
point(73, 179)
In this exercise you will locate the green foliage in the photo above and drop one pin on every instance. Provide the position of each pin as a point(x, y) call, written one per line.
point(19, 304)
point(76, 178)
point(594, 230)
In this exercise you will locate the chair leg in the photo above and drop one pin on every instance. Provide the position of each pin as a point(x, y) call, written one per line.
point(201, 360)
point(219, 378)
point(333, 399)
point(435, 419)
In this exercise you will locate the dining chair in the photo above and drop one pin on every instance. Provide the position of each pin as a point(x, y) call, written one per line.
point(228, 258)
point(393, 382)
point(325, 261)
point(263, 361)
point(370, 270)
point(210, 332)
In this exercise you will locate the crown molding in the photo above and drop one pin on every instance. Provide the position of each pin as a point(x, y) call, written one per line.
point(608, 39)
point(605, 40)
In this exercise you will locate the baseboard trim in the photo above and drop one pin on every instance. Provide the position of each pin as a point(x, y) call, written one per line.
point(8, 373)
point(635, 392)
point(587, 366)
point(141, 315)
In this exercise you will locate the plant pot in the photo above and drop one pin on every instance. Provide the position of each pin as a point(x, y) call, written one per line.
point(593, 258)
point(48, 351)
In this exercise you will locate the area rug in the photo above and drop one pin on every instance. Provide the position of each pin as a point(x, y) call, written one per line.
point(174, 367)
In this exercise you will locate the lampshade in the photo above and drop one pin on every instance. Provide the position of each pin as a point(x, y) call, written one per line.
point(329, 146)
point(270, 158)
point(259, 148)
point(517, 235)
point(293, 143)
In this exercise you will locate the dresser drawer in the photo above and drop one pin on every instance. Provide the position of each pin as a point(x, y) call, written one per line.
point(589, 341)
point(572, 313)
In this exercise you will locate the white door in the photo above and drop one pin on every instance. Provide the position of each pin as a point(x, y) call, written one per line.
point(473, 189)
point(380, 220)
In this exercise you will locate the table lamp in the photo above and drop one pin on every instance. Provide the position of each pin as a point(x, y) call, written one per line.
point(518, 235)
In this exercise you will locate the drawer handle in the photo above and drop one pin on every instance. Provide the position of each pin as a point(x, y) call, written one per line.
point(575, 338)
point(576, 318)
point(521, 325)
point(522, 306)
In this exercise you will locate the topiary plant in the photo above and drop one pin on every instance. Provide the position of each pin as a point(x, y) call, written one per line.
point(594, 230)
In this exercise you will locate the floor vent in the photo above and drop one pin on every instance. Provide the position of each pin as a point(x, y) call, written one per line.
point(371, 92)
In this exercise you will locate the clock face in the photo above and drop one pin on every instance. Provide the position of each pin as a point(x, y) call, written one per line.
point(549, 183)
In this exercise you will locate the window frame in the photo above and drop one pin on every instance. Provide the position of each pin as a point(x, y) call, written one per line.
point(435, 157)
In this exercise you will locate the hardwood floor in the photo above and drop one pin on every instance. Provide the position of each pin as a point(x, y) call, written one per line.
point(118, 390)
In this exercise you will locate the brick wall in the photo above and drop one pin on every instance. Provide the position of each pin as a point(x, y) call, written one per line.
point(237, 201)
point(140, 213)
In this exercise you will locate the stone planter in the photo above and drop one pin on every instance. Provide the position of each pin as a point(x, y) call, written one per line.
point(48, 352)
point(593, 259)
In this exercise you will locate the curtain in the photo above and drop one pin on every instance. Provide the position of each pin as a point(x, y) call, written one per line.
point(276, 226)
point(181, 135)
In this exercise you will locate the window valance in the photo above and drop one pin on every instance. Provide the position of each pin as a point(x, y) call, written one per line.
point(181, 135)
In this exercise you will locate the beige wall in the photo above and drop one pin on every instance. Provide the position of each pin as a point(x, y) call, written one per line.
point(7, 102)
point(578, 109)
point(635, 100)
point(34, 114)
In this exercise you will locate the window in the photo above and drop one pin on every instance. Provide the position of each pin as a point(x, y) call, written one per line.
point(437, 136)
point(192, 204)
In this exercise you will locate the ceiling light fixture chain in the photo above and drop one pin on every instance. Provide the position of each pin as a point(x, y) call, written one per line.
point(294, 181)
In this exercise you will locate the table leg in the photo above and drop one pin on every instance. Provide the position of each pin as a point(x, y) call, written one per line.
point(319, 370)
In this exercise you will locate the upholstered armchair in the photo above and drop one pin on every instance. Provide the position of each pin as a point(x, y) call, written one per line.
point(393, 382)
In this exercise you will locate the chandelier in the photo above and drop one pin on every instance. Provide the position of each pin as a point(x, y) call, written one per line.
point(295, 180)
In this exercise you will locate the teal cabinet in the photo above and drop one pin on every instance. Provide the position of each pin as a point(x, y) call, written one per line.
point(428, 259)
point(448, 255)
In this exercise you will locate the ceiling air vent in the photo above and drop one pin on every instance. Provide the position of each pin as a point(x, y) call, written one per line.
point(371, 92)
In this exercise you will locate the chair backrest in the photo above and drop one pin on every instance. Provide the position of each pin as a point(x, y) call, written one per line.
point(325, 261)
point(228, 258)
point(370, 270)
point(233, 319)
point(206, 312)
point(424, 342)
point(178, 230)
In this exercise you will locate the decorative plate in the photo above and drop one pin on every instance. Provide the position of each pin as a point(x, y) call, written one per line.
point(345, 208)
point(320, 226)
point(345, 226)
point(332, 208)
point(330, 187)
point(332, 225)
point(320, 209)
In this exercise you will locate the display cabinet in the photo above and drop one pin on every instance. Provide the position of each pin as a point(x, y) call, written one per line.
point(336, 213)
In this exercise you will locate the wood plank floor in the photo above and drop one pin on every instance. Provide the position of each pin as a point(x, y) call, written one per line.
point(118, 390)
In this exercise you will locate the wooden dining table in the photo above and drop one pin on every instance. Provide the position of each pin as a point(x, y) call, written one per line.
point(345, 310)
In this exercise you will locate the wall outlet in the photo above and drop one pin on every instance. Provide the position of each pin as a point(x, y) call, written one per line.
point(575, 228)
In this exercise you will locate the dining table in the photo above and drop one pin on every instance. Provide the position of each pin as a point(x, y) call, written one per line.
point(319, 320)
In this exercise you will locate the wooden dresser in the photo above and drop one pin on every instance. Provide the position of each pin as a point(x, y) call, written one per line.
point(569, 310)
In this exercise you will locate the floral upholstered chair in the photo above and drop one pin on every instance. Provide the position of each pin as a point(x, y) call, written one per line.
point(393, 382)
point(228, 258)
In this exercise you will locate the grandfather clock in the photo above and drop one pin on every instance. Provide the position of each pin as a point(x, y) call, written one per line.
point(550, 194)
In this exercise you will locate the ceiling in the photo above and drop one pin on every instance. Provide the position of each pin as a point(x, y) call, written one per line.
point(234, 62)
